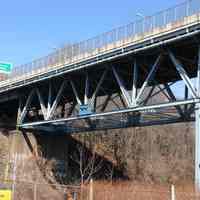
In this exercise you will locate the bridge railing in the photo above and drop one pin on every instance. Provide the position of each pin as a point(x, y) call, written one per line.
point(167, 20)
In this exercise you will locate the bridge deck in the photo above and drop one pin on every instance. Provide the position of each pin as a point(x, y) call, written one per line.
point(172, 24)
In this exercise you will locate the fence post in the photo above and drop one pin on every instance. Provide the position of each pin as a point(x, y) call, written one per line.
point(35, 191)
point(74, 196)
point(173, 195)
point(91, 197)
point(14, 176)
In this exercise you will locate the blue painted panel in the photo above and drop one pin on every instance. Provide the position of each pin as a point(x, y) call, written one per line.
point(85, 110)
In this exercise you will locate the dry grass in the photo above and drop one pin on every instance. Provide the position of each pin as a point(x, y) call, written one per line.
point(137, 191)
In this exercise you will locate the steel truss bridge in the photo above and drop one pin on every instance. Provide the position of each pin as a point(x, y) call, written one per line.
point(122, 78)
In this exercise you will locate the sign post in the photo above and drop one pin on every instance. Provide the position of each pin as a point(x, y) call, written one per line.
point(5, 194)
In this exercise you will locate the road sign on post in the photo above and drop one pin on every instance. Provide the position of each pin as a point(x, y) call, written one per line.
point(5, 194)
point(5, 67)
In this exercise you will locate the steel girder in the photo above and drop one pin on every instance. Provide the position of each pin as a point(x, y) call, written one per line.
point(133, 99)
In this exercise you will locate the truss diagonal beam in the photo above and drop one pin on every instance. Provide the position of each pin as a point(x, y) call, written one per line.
point(149, 77)
point(19, 112)
point(49, 98)
point(183, 74)
point(98, 87)
point(191, 110)
point(134, 88)
point(25, 109)
point(86, 96)
point(149, 95)
point(172, 96)
point(161, 90)
point(122, 87)
point(104, 105)
point(56, 101)
point(42, 104)
point(75, 93)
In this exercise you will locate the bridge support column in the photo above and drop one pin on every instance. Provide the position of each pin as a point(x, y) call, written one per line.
point(197, 130)
point(197, 147)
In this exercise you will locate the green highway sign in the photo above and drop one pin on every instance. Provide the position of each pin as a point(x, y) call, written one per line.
point(5, 67)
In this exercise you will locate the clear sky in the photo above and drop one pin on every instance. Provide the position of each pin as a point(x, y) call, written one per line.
point(33, 28)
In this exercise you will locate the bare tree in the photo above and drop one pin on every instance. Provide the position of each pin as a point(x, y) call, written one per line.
point(88, 161)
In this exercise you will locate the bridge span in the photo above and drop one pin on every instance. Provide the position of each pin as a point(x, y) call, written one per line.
point(122, 78)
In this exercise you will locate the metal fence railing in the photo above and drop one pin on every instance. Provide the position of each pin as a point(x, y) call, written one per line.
point(108, 41)
point(42, 191)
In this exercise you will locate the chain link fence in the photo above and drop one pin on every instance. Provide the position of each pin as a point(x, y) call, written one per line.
point(143, 192)
point(24, 190)
point(143, 195)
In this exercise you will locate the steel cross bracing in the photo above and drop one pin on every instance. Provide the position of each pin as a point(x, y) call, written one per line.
point(133, 107)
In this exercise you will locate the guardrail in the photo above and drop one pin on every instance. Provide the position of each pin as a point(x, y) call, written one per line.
point(175, 17)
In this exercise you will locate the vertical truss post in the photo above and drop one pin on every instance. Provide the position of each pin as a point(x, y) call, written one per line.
point(49, 98)
point(42, 104)
point(75, 93)
point(186, 106)
point(134, 88)
point(197, 130)
point(19, 112)
point(86, 89)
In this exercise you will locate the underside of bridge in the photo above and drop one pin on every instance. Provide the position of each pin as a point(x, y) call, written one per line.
point(135, 90)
